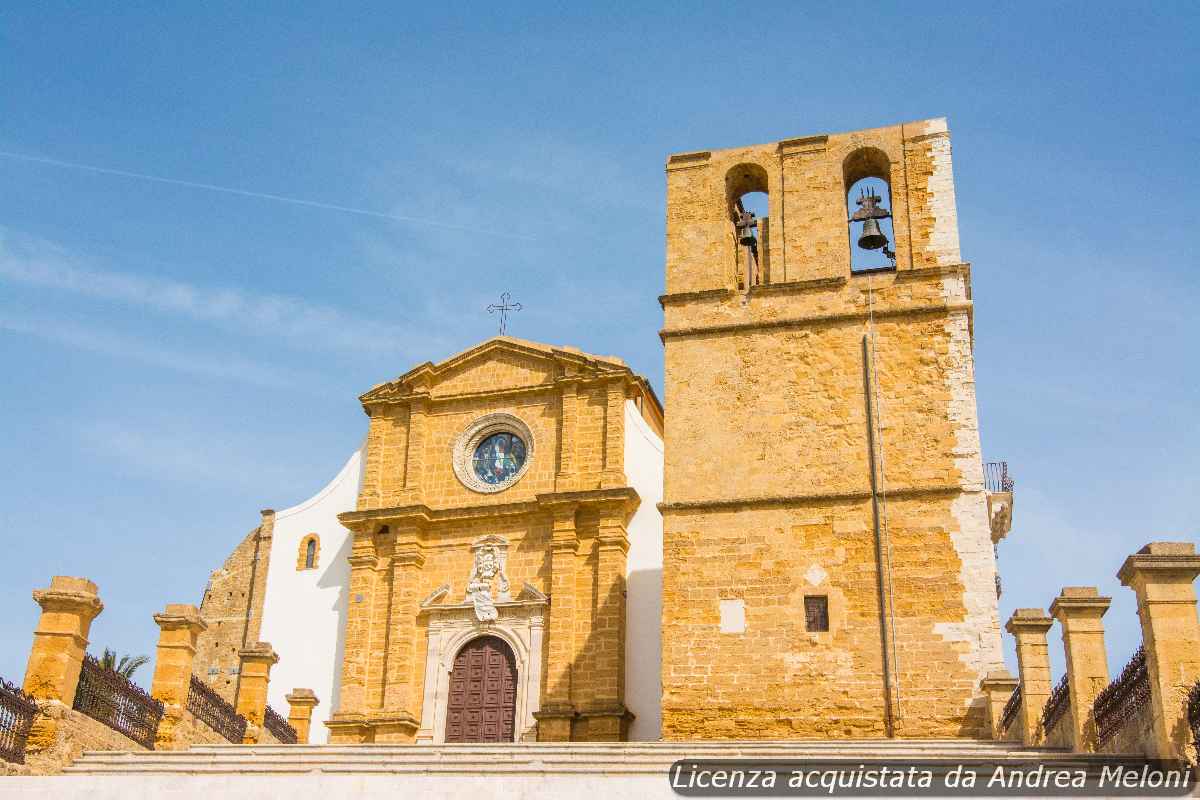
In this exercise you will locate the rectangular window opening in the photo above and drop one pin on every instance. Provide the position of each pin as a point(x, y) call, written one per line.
point(816, 613)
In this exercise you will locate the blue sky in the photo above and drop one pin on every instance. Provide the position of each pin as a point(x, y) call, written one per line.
point(176, 358)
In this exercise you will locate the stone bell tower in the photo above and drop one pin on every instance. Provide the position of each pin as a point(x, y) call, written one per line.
point(828, 568)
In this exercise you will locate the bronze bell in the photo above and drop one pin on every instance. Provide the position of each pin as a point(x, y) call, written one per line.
point(872, 237)
point(745, 228)
point(869, 214)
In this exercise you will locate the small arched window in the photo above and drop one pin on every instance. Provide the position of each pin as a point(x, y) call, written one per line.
point(310, 552)
point(867, 175)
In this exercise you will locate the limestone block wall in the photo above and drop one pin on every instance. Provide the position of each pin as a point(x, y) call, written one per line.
point(70, 733)
point(807, 179)
point(233, 608)
point(822, 441)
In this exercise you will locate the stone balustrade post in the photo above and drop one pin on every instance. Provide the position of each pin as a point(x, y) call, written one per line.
point(998, 687)
point(1161, 574)
point(301, 703)
point(1029, 626)
point(179, 626)
point(1078, 610)
point(60, 641)
point(253, 679)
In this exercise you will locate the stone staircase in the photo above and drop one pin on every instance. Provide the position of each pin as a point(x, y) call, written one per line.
point(615, 759)
point(568, 771)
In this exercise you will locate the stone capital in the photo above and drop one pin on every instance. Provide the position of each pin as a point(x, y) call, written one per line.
point(999, 680)
point(70, 595)
point(259, 653)
point(1027, 621)
point(1162, 562)
point(180, 616)
point(1079, 608)
point(302, 697)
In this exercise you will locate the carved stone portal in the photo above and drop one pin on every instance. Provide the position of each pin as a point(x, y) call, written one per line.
point(519, 621)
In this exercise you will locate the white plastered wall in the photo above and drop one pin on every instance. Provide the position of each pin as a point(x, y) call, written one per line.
point(304, 610)
point(643, 613)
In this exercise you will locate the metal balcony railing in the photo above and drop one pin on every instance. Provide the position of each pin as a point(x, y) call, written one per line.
point(996, 478)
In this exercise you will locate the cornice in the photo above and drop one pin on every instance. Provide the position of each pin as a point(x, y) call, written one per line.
point(776, 501)
point(420, 380)
point(927, 309)
point(361, 521)
point(815, 284)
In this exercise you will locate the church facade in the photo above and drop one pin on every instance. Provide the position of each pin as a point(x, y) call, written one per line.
point(526, 547)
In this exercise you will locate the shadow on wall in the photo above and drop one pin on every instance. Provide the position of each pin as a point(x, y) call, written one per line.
point(336, 575)
point(643, 652)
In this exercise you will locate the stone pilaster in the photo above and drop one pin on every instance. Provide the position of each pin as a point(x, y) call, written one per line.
point(614, 435)
point(1029, 626)
point(348, 725)
point(414, 469)
point(568, 436)
point(253, 679)
point(301, 703)
point(61, 638)
point(998, 687)
point(1078, 610)
point(400, 719)
point(1161, 574)
point(606, 715)
point(179, 627)
point(558, 711)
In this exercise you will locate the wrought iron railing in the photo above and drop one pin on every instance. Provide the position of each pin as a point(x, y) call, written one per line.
point(17, 711)
point(215, 712)
point(111, 698)
point(1122, 699)
point(1056, 705)
point(279, 727)
point(996, 478)
point(1011, 708)
point(1193, 716)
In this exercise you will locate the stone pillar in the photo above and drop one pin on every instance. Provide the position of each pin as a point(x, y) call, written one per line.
point(253, 680)
point(301, 703)
point(1161, 574)
point(605, 712)
point(1029, 626)
point(396, 720)
point(418, 406)
point(998, 687)
point(614, 435)
point(179, 626)
point(558, 711)
point(1078, 610)
point(348, 725)
point(60, 641)
point(565, 480)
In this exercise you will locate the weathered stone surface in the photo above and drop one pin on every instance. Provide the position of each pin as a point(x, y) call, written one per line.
point(232, 609)
point(788, 402)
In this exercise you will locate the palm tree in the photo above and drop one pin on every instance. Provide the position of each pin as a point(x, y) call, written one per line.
point(126, 666)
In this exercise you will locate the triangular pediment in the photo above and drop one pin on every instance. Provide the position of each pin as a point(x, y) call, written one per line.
point(499, 364)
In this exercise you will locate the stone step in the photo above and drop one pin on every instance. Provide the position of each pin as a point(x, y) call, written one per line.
point(633, 758)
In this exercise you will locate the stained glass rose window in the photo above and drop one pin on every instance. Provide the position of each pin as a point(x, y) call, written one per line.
point(498, 458)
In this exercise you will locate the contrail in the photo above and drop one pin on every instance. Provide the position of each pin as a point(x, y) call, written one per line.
point(296, 201)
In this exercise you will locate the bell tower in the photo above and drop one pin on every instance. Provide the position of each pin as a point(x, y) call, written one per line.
point(828, 565)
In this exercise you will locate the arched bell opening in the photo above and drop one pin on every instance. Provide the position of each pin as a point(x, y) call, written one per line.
point(867, 177)
point(749, 206)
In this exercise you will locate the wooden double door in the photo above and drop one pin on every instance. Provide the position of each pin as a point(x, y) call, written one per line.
point(482, 704)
